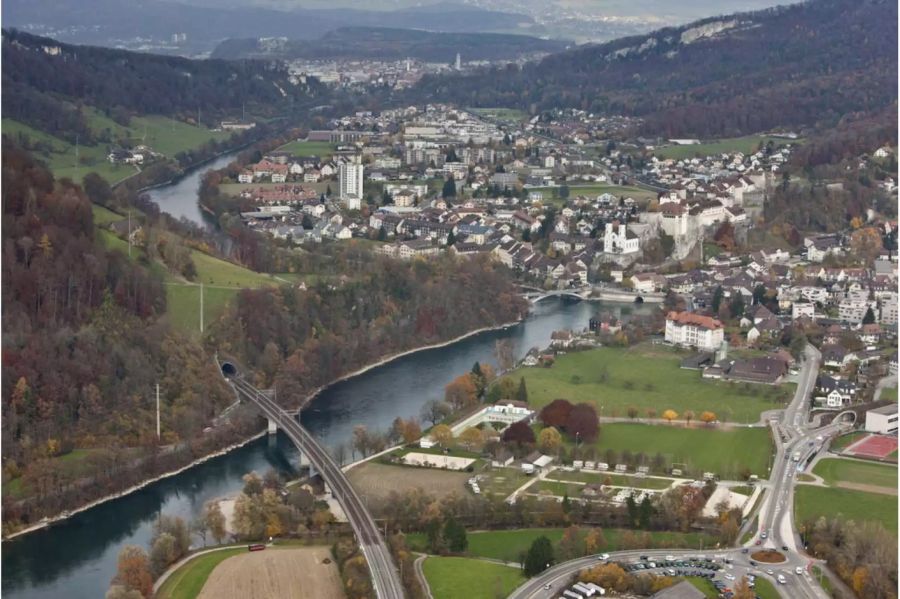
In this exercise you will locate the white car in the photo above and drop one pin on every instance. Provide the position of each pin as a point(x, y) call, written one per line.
point(770, 572)
point(548, 586)
point(798, 570)
point(603, 556)
point(729, 576)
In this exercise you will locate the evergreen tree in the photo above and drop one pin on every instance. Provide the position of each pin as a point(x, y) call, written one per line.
point(522, 392)
point(869, 318)
point(566, 504)
point(476, 369)
point(451, 238)
point(539, 557)
point(737, 306)
point(455, 536)
point(718, 294)
point(449, 190)
point(631, 505)
point(564, 191)
point(645, 510)
point(382, 234)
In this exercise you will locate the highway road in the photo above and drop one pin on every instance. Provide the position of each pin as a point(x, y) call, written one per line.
point(793, 434)
point(385, 577)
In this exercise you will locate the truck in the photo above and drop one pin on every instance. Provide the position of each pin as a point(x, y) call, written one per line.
point(796, 456)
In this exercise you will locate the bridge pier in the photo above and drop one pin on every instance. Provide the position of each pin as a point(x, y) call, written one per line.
point(273, 427)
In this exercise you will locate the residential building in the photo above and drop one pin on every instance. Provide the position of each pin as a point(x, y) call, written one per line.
point(351, 185)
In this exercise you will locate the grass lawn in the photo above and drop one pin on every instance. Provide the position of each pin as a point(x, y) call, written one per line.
point(183, 305)
point(104, 216)
point(187, 581)
point(747, 145)
point(835, 470)
point(462, 578)
point(214, 271)
point(322, 149)
point(725, 452)
point(765, 589)
point(511, 545)
point(845, 441)
point(618, 480)
point(614, 379)
point(811, 502)
point(704, 585)
point(889, 393)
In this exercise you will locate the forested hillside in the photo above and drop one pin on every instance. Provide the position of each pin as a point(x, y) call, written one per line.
point(794, 66)
point(388, 307)
point(45, 82)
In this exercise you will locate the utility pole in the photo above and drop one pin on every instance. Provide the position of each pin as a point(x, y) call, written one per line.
point(129, 233)
point(201, 307)
point(76, 151)
point(157, 412)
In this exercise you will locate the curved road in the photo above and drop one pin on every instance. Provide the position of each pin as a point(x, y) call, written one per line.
point(793, 435)
point(385, 577)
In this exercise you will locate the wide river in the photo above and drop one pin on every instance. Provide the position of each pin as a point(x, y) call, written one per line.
point(77, 558)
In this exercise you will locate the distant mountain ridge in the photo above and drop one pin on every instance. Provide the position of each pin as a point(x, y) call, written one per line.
point(45, 81)
point(382, 43)
point(794, 66)
point(116, 23)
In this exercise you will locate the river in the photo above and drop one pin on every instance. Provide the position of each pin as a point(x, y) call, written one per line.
point(76, 558)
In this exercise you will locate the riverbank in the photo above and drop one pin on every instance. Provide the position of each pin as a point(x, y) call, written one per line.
point(221, 452)
point(44, 523)
point(402, 354)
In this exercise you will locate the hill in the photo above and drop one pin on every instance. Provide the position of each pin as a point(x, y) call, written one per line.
point(801, 65)
point(183, 28)
point(45, 82)
point(390, 44)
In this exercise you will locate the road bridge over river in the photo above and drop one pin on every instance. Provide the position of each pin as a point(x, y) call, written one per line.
point(385, 577)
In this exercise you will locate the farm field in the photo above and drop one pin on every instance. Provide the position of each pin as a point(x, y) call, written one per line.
point(186, 581)
point(837, 470)
point(295, 572)
point(379, 480)
point(104, 216)
point(462, 578)
point(614, 379)
point(700, 449)
point(811, 502)
point(215, 271)
point(322, 149)
point(511, 545)
point(747, 144)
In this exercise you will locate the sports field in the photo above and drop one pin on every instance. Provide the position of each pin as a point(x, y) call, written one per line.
point(463, 578)
point(811, 502)
point(322, 149)
point(836, 470)
point(700, 449)
point(644, 377)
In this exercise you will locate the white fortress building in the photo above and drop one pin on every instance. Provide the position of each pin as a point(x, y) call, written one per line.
point(694, 330)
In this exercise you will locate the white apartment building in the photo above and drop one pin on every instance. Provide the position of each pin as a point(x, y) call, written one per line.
point(350, 176)
point(889, 309)
point(882, 420)
point(694, 330)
